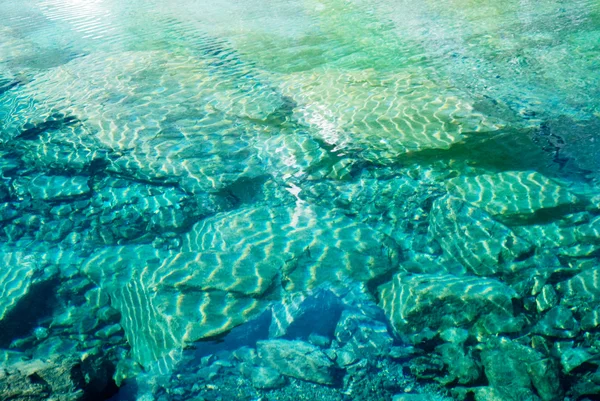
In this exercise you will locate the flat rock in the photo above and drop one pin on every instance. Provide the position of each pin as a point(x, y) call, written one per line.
point(297, 359)
point(307, 245)
point(512, 194)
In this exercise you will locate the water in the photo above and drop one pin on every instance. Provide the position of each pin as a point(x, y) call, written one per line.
point(293, 200)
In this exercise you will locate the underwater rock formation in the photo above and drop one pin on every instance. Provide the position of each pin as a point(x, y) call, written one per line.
point(419, 306)
point(230, 266)
point(331, 209)
point(473, 237)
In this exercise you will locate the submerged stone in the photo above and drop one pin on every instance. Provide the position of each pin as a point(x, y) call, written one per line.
point(61, 378)
point(575, 357)
point(558, 322)
point(583, 288)
point(227, 265)
point(297, 359)
point(589, 232)
point(24, 280)
point(413, 397)
point(514, 370)
point(345, 249)
point(266, 378)
point(416, 303)
point(472, 237)
point(546, 299)
point(462, 366)
point(511, 195)
point(365, 336)
point(52, 188)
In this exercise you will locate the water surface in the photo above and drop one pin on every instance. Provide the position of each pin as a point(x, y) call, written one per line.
point(286, 200)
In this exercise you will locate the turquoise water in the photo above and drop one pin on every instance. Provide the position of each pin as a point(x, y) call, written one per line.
point(300, 200)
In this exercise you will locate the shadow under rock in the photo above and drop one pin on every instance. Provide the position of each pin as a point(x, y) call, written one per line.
point(25, 316)
point(561, 148)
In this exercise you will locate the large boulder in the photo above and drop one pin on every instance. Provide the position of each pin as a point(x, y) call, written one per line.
point(582, 288)
point(60, 379)
point(422, 303)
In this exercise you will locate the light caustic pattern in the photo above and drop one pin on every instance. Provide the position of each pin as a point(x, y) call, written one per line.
point(174, 170)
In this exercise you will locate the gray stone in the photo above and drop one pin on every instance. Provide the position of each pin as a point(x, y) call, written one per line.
point(297, 359)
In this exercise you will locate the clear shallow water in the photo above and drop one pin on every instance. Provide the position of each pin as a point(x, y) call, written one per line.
point(298, 200)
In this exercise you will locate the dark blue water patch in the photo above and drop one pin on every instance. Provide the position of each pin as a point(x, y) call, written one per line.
point(127, 392)
point(36, 305)
point(6, 85)
point(318, 314)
